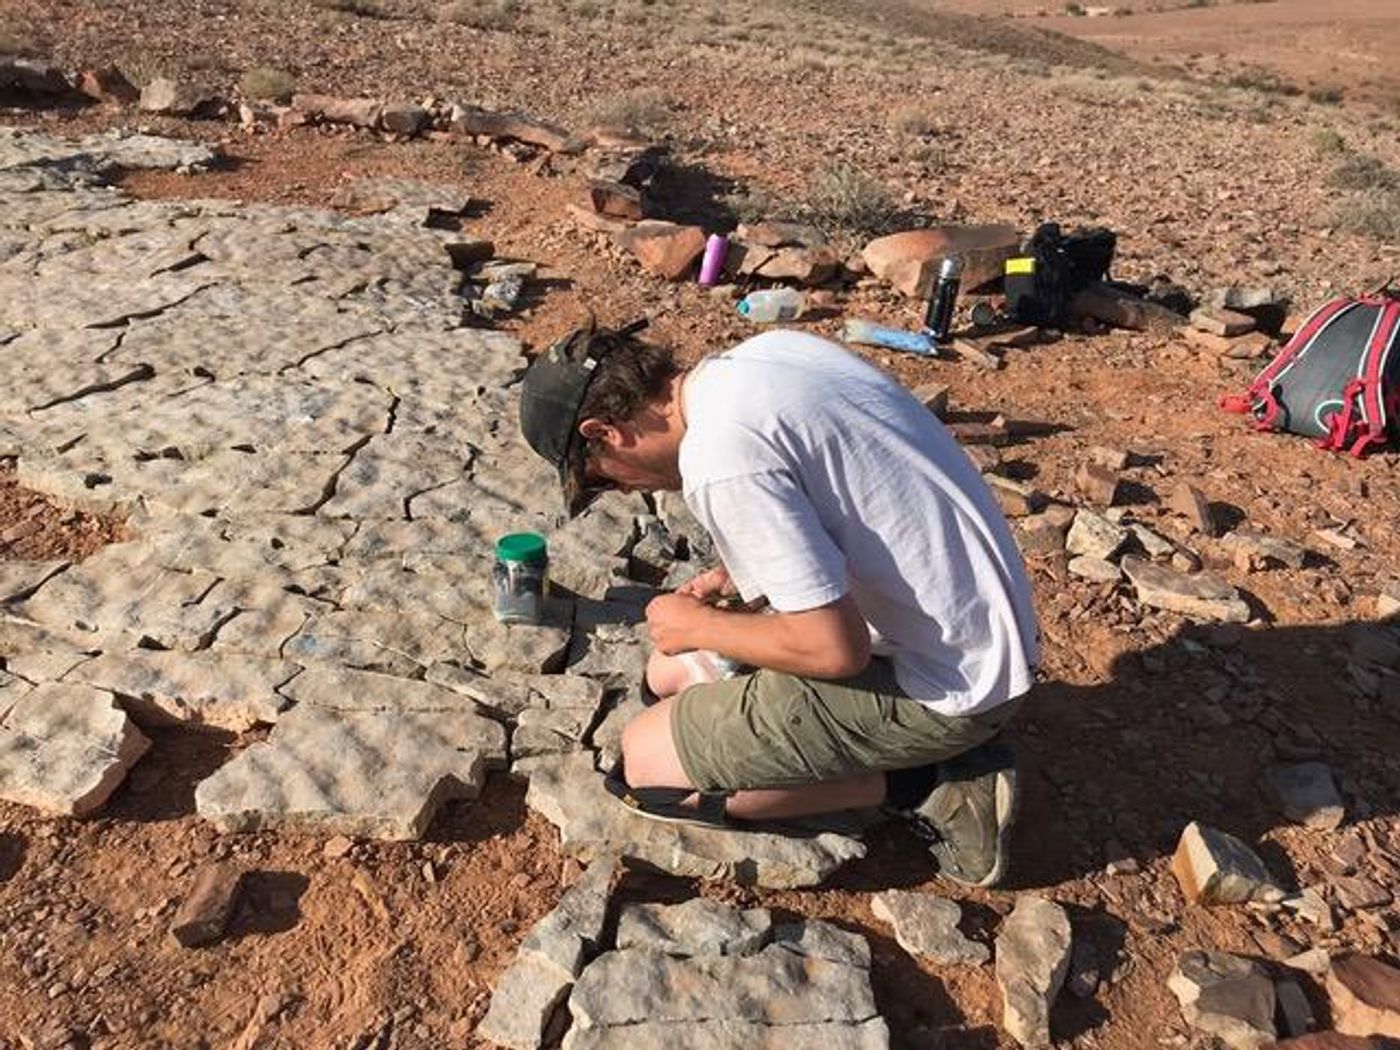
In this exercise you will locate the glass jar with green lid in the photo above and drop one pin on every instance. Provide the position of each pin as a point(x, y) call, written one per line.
point(520, 578)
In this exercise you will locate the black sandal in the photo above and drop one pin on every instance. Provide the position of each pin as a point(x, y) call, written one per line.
point(665, 804)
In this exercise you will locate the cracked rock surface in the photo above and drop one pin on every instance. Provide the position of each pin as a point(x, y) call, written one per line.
point(315, 455)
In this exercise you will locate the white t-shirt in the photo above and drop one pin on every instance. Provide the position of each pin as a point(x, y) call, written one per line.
point(819, 476)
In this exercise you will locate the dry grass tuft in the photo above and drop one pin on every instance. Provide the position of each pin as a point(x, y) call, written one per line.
point(1361, 171)
point(845, 199)
point(263, 82)
point(499, 15)
point(913, 120)
point(1371, 213)
point(645, 112)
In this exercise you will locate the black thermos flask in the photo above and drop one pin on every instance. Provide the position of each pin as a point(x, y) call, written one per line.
point(939, 318)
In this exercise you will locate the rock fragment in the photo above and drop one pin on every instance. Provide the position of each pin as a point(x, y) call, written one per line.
point(666, 249)
point(1268, 548)
point(928, 925)
point(1191, 503)
point(404, 119)
point(107, 84)
point(1213, 867)
point(356, 112)
point(371, 774)
point(208, 906)
point(177, 98)
point(1094, 535)
point(64, 748)
point(1226, 996)
point(809, 987)
point(695, 927)
point(1221, 321)
point(569, 792)
point(910, 260)
point(1365, 995)
point(1308, 794)
point(1032, 959)
point(1097, 482)
point(1094, 569)
point(554, 953)
point(1200, 595)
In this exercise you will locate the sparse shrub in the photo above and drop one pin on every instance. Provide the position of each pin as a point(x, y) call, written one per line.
point(1269, 83)
point(845, 198)
point(643, 111)
point(1361, 171)
point(358, 8)
point(914, 120)
point(1373, 213)
point(1328, 140)
point(482, 14)
point(263, 82)
point(1325, 96)
point(756, 204)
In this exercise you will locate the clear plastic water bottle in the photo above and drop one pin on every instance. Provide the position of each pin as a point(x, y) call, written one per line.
point(773, 305)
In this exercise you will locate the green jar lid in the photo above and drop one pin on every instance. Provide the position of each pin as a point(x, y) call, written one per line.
point(522, 546)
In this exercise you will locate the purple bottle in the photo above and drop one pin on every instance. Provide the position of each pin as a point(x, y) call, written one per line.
point(712, 265)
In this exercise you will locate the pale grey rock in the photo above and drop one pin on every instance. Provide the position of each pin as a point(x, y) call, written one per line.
point(1268, 548)
point(20, 579)
point(1214, 867)
point(778, 994)
point(1294, 1010)
point(873, 1034)
point(346, 689)
point(534, 986)
point(1032, 959)
point(176, 98)
point(234, 692)
point(1200, 595)
point(1096, 570)
point(1225, 996)
point(1153, 543)
point(550, 731)
point(1308, 794)
point(379, 774)
point(1094, 535)
point(694, 927)
point(65, 748)
point(402, 643)
point(928, 925)
point(569, 792)
point(607, 737)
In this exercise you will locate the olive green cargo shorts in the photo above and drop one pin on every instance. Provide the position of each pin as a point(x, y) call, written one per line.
point(768, 729)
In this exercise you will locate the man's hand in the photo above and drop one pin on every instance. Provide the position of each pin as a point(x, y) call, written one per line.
point(674, 620)
point(709, 586)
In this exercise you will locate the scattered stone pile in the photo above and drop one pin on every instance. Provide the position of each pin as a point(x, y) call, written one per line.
point(697, 974)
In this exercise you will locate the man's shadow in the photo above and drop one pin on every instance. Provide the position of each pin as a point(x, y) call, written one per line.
point(1187, 730)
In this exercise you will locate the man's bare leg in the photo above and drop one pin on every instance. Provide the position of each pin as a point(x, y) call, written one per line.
point(649, 756)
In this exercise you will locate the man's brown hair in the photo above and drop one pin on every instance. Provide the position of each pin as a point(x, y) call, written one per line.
point(630, 376)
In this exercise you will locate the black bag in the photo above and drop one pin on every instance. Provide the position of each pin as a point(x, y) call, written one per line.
point(1337, 380)
point(1051, 268)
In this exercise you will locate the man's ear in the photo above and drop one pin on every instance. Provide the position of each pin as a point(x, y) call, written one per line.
point(597, 430)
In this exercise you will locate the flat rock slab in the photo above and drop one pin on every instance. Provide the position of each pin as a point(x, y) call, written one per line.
point(1200, 595)
point(20, 579)
point(1033, 954)
point(792, 991)
point(928, 925)
point(695, 927)
point(232, 692)
point(1215, 867)
point(569, 792)
point(65, 748)
point(370, 774)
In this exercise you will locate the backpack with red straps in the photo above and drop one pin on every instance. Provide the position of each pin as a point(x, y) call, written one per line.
point(1337, 380)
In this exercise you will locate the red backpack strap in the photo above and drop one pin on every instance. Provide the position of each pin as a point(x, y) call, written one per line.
point(1372, 378)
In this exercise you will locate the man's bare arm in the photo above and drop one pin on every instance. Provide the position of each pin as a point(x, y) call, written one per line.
point(831, 641)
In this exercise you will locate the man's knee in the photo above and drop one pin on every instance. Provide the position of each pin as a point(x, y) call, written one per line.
point(649, 756)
